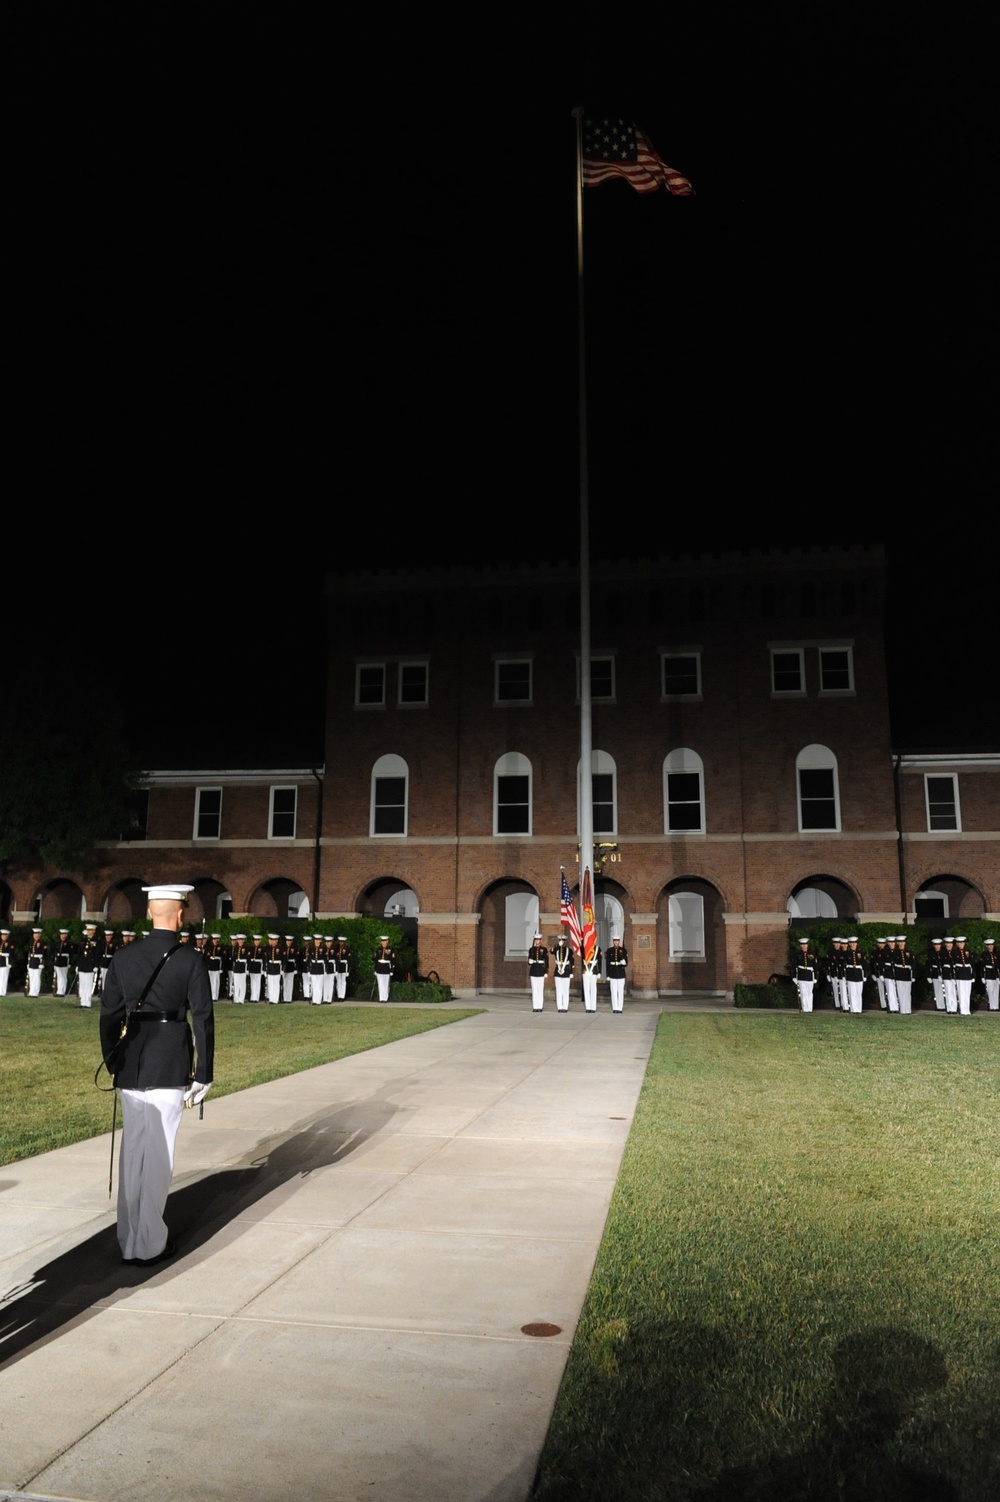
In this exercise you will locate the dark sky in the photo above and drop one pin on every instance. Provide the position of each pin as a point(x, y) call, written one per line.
point(308, 299)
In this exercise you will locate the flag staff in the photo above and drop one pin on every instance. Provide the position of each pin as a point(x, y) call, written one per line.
point(586, 728)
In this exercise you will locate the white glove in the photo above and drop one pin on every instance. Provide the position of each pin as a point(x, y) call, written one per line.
point(195, 1093)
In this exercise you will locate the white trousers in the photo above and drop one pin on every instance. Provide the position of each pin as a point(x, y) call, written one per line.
point(239, 985)
point(891, 995)
point(255, 981)
point(617, 995)
point(150, 1119)
point(880, 985)
point(214, 981)
point(85, 986)
point(341, 979)
point(383, 986)
point(903, 995)
point(964, 989)
point(854, 988)
point(61, 974)
point(562, 993)
point(992, 993)
point(4, 978)
point(307, 985)
point(315, 992)
point(537, 992)
point(35, 982)
point(329, 982)
point(950, 996)
point(805, 994)
point(589, 992)
point(274, 988)
point(287, 985)
point(937, 986)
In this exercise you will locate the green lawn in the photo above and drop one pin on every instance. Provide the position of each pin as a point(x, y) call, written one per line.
point(49, 1051)
point(797, 1293)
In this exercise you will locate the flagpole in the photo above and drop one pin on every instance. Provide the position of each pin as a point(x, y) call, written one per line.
point(586, 787)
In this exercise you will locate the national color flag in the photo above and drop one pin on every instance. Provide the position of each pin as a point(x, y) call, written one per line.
point(569, 917)
point(589, 926)
point(614, 148)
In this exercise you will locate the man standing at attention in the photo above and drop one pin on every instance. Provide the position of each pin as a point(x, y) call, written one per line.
point(164, 1067)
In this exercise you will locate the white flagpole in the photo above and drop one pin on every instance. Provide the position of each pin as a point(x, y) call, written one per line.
point(586, 732)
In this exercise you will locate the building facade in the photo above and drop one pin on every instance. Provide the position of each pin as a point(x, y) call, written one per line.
point(743, 773)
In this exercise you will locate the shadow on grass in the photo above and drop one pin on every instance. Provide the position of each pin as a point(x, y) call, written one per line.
point(74, 1286)
point(651, 1413)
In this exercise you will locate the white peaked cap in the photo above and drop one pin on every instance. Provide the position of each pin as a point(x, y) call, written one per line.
point(173, 893)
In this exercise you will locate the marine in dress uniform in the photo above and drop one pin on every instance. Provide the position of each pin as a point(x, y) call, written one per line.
point(289, 968)
point(889, 971)
point(934, 974)
point(307, 954)
point(948, 976)
point(317, 971)
point(238, 969)
point(538, 969)
point(107, 955)
point(591, 970)
point(214, 959)
point(961, 961)
point(834, 967)
point(272, 970)
point(329, 979)
point(854, 975)
point(562, 965)
point(6, 958)
point(255, 966)
point(342, 964)
point(159, 1074)
point(878, 971)
point(88, 964)
point(805, 975)
point(36, 964)
point(616, 960)
point(902, 974)
point(385, 964)
point(61, 961)
point(990, 972)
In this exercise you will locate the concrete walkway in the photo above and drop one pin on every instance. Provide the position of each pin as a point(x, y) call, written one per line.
point(360, 1250)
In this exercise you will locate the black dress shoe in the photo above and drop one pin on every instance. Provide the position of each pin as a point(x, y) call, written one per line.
point(168, 1251)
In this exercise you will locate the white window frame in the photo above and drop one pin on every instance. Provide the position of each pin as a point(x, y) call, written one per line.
point(359, 703)
point(683, 761)
point(602, 764)
point(520, 921)
point(389, 766)
point(512, 764)
point(414, 662)
point(505, 661)
point(837, 646)
point(198, 813)
point(951, 777)
point(283, 788)
point(673, 654)
point(816, 758)
point(678, 922)
point(789, 693)
point(608, 657)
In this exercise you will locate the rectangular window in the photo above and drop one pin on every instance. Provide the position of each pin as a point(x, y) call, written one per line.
point(604, 802)
point(681, 675)
point(941, 793)
point(207, 813)
point(683, 801)
point(817, 798)
point(413, 677)
point(283, 807)
point(686, 913)
point(602, 678)
point(389, 812)
point(520, 924)
point(836, 670)
point(788, 671)
point(369, 685)
point(513, 805)
point(512, 682)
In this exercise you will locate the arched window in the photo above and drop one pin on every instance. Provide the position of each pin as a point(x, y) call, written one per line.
point(818, 792)
point(604, 779)
point(390, 788)
point(683, 792)
point(520, 924)
point(512, 794)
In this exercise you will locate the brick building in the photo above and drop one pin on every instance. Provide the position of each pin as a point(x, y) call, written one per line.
point(743, 772)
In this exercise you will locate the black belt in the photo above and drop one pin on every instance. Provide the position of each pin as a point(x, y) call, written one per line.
point(145, 1016)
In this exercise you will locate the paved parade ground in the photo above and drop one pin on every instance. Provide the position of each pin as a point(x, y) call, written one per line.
point(362, 1250)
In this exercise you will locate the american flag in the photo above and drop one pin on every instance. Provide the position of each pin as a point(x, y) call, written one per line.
point(589, 936)
point(568, 916)
point(613, 148)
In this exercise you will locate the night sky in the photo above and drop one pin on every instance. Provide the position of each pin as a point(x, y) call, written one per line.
point(308, 300)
